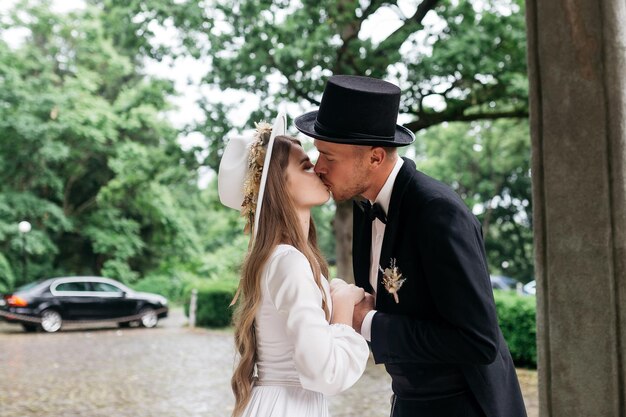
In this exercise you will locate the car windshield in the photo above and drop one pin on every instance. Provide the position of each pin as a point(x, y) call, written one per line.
point(30, 285)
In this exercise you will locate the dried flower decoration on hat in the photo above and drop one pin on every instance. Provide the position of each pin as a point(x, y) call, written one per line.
point(252, 182)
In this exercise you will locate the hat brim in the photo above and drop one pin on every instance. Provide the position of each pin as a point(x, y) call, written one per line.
point(306, 125)
point(278, 129)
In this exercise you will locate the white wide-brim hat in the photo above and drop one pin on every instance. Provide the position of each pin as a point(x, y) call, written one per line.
point(234, 167)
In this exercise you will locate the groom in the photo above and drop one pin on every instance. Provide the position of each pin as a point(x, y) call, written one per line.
point(419, 251)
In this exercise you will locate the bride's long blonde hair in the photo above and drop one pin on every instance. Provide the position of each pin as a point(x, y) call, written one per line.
point(278, 224)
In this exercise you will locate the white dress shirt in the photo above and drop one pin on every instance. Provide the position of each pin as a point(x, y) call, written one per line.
point(378, 233)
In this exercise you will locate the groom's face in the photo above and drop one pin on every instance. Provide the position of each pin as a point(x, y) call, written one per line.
point(342, 168)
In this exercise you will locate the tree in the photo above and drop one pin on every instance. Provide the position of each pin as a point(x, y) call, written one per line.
point(7, 279)
point(85, 154)
point(491, 172)
point(466, 64)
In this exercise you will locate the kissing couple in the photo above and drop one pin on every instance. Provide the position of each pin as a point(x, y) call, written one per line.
point(422, 302)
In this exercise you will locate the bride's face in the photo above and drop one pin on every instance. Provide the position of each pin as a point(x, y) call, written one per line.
point(305, 187)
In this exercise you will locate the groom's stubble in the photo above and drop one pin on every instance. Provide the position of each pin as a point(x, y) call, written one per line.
point(354, 184)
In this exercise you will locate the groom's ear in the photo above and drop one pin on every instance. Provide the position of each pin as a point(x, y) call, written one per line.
point(377, 156)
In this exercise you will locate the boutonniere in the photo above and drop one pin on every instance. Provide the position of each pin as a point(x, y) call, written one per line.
point(392, 279)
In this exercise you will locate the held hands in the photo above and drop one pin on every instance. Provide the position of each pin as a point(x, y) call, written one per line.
point(344, 293)
point(345, 296)
point(360, 311)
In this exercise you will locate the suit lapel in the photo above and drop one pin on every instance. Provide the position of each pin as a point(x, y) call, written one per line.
point(393, 224)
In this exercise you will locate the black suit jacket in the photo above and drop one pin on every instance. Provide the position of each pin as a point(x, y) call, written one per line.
point(445, 322)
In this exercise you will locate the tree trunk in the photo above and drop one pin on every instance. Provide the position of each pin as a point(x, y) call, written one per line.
point(342, 226)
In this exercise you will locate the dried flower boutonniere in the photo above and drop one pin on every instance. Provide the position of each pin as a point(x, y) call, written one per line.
point(392, 279)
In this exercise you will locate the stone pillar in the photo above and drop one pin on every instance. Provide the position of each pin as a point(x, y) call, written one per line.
point(577, 69)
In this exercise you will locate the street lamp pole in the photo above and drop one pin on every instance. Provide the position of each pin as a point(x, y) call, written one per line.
point(24, 227)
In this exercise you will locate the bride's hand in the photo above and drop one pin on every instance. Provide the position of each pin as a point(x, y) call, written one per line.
point(345, 296)
point(336, 283)
point(344, 293)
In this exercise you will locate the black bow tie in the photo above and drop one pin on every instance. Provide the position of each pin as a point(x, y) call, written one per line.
point(375, 211)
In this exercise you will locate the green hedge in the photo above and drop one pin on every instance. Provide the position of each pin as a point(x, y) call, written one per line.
point(213, 302)
point(516, 314)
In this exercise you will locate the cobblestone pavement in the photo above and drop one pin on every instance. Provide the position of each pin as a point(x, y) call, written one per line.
point(169, 371)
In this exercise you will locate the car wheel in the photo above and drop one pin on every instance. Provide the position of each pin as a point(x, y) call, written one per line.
point(124, 324)
point(51, 321)
point(29, 327)
point(149, 317)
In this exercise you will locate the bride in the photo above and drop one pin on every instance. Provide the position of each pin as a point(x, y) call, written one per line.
point(293, 331)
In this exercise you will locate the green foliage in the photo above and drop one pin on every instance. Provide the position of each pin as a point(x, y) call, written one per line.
point(224, 263)
point(214, 298)
point(116, 269)
point(85, 154)
point(474, 68)
point(488, 165)
point(125, 19)
point(7, 279)
point(324, 217)
point(466, 63)
point(170, 286)
point(442, 66)
point(88, 158)
point(517, 317)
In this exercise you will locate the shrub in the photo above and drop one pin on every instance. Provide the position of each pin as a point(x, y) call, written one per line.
point(517, 314)
point(170, 287)
point(119, 270)
point(213, 302)
point(224, 263)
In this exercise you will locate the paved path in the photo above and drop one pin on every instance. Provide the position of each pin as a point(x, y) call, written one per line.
point(169, 371)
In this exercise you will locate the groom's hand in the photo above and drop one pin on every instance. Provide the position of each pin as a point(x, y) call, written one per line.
point(360, 311)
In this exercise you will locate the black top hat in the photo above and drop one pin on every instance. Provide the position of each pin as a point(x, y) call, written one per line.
point(357, 111)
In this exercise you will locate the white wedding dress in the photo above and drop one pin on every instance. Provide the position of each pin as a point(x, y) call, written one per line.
point(301, 357)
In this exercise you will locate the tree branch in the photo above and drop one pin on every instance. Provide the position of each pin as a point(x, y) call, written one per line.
point(397, 38)
point(426, 121)
point(87, 204)
point(348, 32)
point(66, 194)
point(294, 85)
point(371, 8)
point(301, 93)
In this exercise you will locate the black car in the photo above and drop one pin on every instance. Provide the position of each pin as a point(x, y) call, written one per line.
point(501, 282)
point(48, 303)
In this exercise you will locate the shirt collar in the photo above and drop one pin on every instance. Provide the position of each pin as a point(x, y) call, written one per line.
point(384, 195)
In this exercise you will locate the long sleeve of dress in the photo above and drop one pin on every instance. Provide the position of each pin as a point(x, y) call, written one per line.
point(329, 358)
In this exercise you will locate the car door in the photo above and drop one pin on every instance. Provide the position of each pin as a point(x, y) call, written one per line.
point(114, 302)
point(75, 300)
